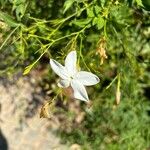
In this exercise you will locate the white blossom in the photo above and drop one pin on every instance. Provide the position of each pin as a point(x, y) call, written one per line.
point(70, 76)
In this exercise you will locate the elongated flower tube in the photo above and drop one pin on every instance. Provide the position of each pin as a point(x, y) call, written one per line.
point(70, 76)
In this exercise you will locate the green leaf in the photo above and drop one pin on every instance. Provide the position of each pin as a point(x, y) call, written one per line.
point(121, 16)
point(97, 9)
point(82, 22)
point(139, 2)
point(90, 12)
point(103, 2)
point(146, 4)
point(68, 4)
point(8, 19)
point(19, 6)
point(20, 10)
point(99, 22)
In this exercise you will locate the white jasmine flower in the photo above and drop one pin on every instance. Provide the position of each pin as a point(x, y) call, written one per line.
point(70, 76)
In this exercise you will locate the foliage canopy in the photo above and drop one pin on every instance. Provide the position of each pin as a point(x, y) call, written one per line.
point(112, 39)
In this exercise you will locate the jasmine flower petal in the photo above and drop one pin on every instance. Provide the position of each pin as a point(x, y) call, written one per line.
point(59, 69)
point(70, 62)
point(70, 76)
point(87, 78)
point(79, 90)
point(63, 83)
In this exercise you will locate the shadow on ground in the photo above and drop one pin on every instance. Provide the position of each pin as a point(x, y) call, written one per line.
point(3, 142)
point(20, 122)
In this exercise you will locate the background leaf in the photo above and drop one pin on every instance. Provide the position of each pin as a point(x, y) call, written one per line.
point(8, 19)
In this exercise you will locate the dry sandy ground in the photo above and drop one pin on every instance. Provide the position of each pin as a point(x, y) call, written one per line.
point(20, 124)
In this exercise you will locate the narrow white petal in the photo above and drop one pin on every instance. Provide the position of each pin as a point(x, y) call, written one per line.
point(64, 83)
point(79, 90)
point(87, 78)
point(70, 62)
point(59, 69)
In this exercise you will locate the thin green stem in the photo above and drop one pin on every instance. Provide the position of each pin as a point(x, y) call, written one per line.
point(105, 31)
point(111, 82)
point(80, 50)
point(8, 37)
point(40, 37)
point(119, 38)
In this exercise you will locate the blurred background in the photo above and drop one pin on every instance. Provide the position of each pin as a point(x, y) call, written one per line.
point(112, 40)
